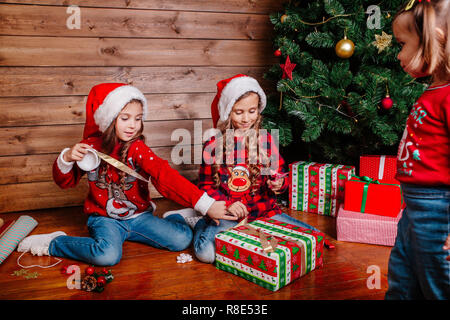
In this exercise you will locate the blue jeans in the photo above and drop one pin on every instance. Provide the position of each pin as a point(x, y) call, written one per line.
point(104, 246)
point(206, 230)
point(417, 266)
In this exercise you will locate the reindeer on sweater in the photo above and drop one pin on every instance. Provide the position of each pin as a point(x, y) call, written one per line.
point(118, 206)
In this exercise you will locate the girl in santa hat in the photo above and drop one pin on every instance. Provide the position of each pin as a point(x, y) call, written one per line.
point(247, 177)
point(118, 205)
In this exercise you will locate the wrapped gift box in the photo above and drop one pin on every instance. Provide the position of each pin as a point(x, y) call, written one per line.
point(378, 167)
point(245, 251)
point(318, 188)
point(381, 197)
point(360, 227)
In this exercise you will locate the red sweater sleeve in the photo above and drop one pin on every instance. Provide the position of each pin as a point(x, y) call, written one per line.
point(166, 180)
point(66, 179)
point(68, 175)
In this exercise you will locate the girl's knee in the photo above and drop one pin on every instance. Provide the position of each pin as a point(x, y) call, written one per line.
point(180, 241)
point(206, 254)
point(107, 257)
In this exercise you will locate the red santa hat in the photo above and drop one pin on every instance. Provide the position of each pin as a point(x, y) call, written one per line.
point(229, 91)
point(104, 103)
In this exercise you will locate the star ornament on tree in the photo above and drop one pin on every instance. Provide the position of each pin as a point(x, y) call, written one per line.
point(383, 41)
point(287, 68)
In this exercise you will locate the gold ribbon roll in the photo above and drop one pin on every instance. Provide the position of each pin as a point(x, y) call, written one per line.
point(121, 166)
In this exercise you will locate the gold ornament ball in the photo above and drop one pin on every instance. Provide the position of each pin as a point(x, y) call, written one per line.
point(345, 48)
point(283, 18)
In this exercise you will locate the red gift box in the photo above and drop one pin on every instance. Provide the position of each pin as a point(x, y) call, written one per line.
point(378, 167)
point(381, 197)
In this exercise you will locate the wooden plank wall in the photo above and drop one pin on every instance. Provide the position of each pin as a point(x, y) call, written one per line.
point(174, 51)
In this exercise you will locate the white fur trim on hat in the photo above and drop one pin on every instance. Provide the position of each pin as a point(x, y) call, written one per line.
point(241, 168)
point(114, 103)
point(234, 90)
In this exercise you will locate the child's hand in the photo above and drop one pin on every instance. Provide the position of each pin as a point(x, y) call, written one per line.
point(447, 246)
point(238, 209)
point(275, 185)
point(218, 210)
point(77, 152)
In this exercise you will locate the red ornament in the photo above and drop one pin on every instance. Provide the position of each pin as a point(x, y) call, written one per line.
point(90, 270)
point(277, 53)
point(101, 281)
point(64, 269)
point(105, 271)
point(287, 68)
point(387, 102)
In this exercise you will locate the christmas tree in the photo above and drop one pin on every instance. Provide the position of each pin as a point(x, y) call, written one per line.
point(343, 98)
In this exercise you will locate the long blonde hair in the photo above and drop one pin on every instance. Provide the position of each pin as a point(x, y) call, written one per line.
point(434, 47)
point(252, 148)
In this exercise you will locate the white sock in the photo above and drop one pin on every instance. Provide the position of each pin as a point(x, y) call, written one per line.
point(192, 221)
point(190, 216)
point(38, 244)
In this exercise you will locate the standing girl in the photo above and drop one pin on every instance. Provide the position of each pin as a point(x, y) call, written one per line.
point(418, 264)
point(238, 174)
point(119, 206)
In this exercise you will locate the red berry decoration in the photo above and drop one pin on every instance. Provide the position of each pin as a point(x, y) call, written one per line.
point(387, 102)
point(90, 270)
point(101, 281)
point(95, 281)
point(277, 53)
point(64, 269)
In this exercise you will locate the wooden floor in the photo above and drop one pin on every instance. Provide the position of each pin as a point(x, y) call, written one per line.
point(148, 273)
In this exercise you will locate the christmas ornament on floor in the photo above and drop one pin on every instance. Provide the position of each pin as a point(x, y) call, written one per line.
point(96, 281)
point(184, 257)
point(24, 273)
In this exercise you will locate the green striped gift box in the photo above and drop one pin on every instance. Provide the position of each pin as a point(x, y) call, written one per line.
point(318, 187)
point(298, 252)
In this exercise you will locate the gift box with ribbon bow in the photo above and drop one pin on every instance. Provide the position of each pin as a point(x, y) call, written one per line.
point(367, 195)
point(268, 252)
point(317, 187)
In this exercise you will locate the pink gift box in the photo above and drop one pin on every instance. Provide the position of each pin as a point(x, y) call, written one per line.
point(366, 228)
